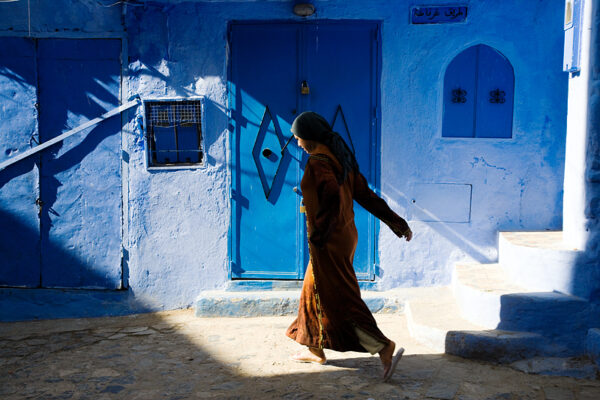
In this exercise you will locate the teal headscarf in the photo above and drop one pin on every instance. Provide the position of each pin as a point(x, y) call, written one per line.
point(311, 126)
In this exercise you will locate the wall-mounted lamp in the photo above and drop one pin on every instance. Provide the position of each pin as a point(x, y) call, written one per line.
point(304, 8)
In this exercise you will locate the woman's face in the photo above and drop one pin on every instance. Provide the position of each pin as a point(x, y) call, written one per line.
point(302, 143)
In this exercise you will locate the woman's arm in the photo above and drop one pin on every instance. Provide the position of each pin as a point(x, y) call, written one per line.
point(379, 208)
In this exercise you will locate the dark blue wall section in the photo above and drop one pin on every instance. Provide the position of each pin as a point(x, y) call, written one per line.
point(343, 68)
point(19, 247)
point(80, 183)
point(69, 196)
point(265, 73)
point(338, 62)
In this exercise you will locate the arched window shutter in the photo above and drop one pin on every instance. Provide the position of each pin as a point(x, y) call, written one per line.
point(478, 94)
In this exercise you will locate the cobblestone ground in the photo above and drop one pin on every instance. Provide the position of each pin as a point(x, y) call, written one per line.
point(174, 355)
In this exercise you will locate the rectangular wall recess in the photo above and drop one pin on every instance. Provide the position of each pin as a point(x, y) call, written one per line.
point(440, 202)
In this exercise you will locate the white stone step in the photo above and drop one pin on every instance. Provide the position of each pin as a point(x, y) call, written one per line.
point(540, 261)
point(486, 297)
point(478, 289)
point(432, 314)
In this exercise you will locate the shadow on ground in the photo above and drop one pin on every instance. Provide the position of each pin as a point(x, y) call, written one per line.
point(173, 355)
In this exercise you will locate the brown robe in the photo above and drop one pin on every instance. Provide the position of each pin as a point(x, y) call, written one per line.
point(330, 303)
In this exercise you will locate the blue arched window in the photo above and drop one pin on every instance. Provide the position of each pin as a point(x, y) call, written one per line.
point(478, 94)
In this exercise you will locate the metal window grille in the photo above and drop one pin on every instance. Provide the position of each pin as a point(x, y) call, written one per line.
point(174, 130)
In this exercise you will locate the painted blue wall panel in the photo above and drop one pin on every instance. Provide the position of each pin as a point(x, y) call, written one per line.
point(495, 88)
point(342, 71)
point(336, 76)
point(265, 74)
point(478, 95)
point(80, 182)
point(460, 95)
point(19, 222)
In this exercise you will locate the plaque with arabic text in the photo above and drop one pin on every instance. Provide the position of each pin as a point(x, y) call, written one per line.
point(438, 15)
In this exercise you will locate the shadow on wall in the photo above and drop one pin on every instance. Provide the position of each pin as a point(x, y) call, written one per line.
point(60, 210)
point(19, 303)
point(161, 39)
point(444, 229)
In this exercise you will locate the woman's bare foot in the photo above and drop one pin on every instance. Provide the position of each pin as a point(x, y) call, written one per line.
point(385, 355)
point(389, 359)
point(310, 355)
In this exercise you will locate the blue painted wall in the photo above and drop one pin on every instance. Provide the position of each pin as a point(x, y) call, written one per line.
point(175, 222)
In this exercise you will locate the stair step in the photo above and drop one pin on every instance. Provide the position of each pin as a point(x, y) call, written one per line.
point(562, 318)
point(541, 310)
point(478, 289)
point(493, 345)
point(432, 316)
point(247, 304)
point(489, 278)
point(539, 261)
point(548, 240)
point(255, 303)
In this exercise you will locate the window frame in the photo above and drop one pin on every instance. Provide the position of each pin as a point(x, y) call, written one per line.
point(148, 134)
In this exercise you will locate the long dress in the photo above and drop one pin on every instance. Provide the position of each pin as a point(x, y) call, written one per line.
point(331, 307)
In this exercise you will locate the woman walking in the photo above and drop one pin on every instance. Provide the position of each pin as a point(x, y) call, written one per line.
point(332, 314)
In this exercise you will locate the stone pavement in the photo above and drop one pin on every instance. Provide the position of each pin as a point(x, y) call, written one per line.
point(174, 355)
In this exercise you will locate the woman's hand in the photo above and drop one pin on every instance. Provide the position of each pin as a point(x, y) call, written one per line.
point(402, 231)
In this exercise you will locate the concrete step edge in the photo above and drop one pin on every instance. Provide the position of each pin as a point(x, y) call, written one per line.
point(478, 289)
point(495, 345)
point(219, 303)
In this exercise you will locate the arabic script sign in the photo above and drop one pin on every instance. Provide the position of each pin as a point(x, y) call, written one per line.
point(438, 15)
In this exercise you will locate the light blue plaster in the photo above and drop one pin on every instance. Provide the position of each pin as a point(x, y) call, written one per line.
point(176, 222)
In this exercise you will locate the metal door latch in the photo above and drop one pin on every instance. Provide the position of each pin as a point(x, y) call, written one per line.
point(40, 204)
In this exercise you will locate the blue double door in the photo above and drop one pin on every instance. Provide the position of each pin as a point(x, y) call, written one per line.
point(60, 210)
point(277, 71)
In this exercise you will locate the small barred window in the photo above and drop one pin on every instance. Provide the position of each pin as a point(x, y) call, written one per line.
point(174, 131)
